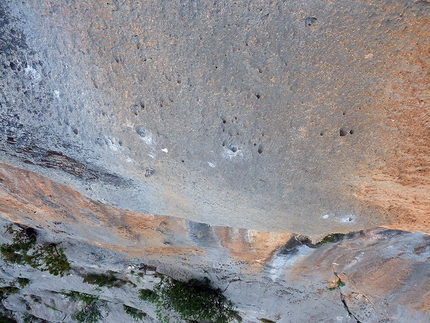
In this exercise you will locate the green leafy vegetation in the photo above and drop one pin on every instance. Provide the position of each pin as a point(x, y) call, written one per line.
point(192, 301)
point(340, 283)
point(23, 281)
point(263, 320)
point(5, 291)
point(35, 298)
point(334, 237)
point(51, 307)
point(4, 318)
point(25, 251)
point(136, 314)
point(148, 295)
point(53, 260)
point(23, 241)
point(189, 301)
point(91, 311)
point(108, 280)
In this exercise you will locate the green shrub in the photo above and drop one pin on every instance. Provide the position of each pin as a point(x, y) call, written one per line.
point(4, 318)
point(88, 314)
point(334, 237)
point(91, 310)
point(263, 320)
point(5, 291)
point(138, 315)
point(340, 283)
point(54, 260)
point(23, 281)
point(193, 300)
point(22, 242)
point(104, 280)
point(24, 250)
point(148, 295)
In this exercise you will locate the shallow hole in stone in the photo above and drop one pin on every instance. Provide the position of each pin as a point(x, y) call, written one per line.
point(343, 132)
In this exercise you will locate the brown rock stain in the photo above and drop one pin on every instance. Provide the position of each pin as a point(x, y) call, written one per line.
point(31, 199)
point(250, 245)
point(400, 184)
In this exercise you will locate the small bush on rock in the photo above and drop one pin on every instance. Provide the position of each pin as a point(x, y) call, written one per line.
point(138, 315)
point(24, 251)
point(190, 301)
point(108, 280)
point(91, 311)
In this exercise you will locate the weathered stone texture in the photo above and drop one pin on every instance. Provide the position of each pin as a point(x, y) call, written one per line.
point(263, 115)
point(224, 139)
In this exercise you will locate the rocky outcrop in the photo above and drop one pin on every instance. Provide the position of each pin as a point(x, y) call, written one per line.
point(368, 276)
point(239, 141)
point(288, 112)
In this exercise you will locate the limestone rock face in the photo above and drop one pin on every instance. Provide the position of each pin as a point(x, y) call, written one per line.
point(267, 116)
point(368, 276)
point(222, 139)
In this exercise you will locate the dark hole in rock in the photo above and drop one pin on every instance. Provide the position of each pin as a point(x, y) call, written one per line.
point(140, 131)
point(149, 172)
point(309, 21)
point(343, 132)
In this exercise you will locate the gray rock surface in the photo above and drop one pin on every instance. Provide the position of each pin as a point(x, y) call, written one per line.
point(297, 284)
point(367, 276)
point(255, 114)
point(220, 139)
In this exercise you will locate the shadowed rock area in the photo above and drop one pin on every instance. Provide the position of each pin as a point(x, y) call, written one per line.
point(236, 140)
